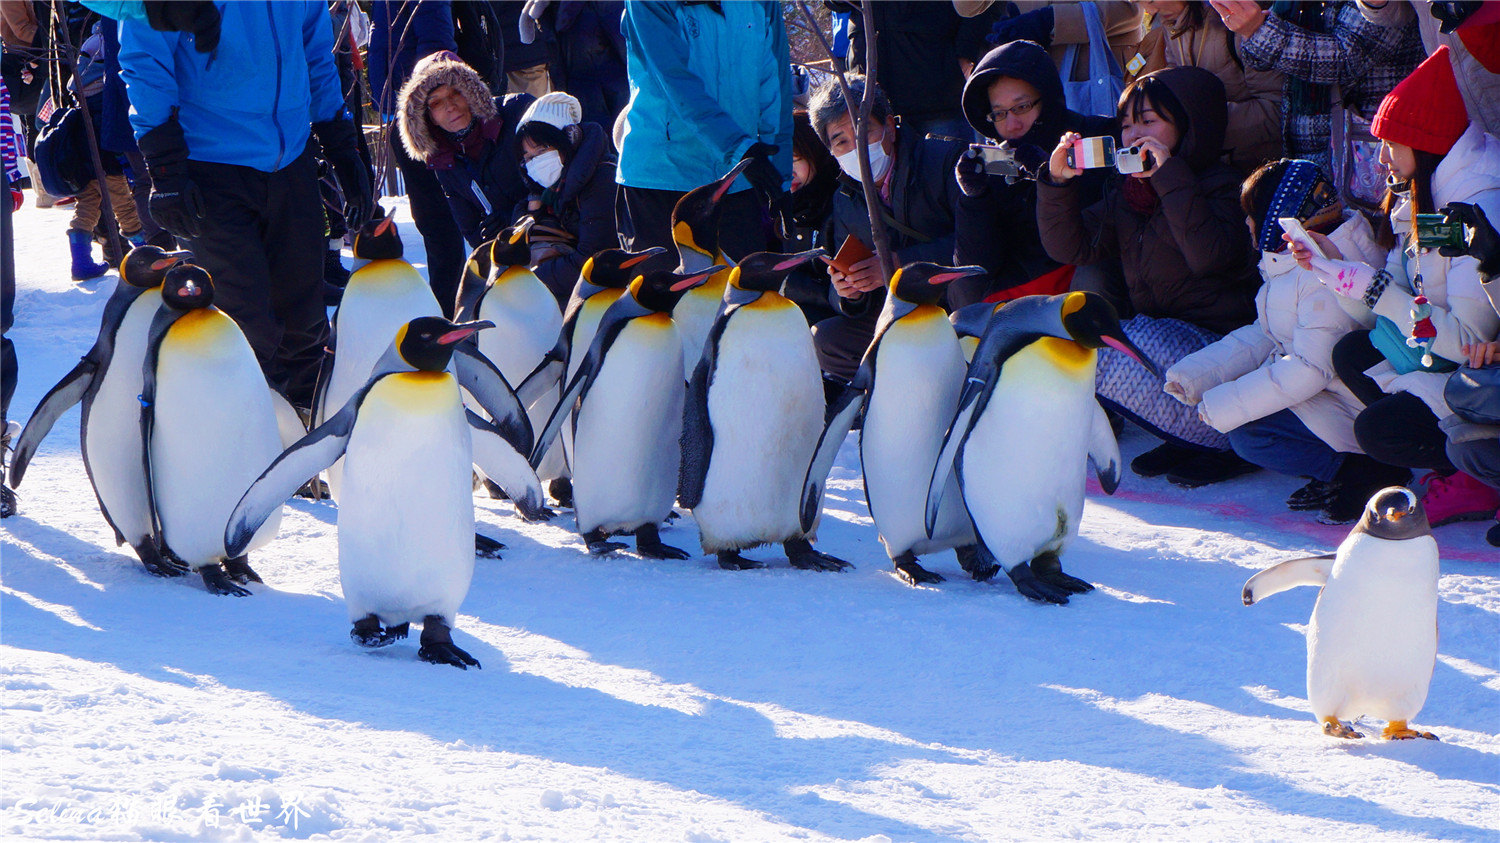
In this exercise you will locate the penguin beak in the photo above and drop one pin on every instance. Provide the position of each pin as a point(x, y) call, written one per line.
point(728, 180)
point(1122, 344)
point(799, 258)
point(643, 256)
point(384, 225)
point(171, 259)
point(957, 273)
point(692, 281)
point(463, 331)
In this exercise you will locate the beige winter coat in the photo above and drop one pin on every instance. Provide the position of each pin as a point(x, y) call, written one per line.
point(1254, 134)
point(1284, 359)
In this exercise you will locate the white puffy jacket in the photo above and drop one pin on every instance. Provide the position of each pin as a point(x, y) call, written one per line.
point(1283, 360)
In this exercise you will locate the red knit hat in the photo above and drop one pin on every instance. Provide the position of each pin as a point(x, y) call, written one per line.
point(1425, 110)
point(1483, 43)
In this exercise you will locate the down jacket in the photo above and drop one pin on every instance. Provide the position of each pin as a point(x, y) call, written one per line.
point(1284, 359)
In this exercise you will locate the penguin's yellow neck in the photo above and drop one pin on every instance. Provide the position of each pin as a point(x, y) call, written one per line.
point(1065, 354)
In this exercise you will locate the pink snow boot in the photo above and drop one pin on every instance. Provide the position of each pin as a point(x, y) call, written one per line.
point(1458, 497)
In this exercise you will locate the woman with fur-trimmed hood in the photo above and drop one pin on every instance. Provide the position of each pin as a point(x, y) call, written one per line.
point(450, 122)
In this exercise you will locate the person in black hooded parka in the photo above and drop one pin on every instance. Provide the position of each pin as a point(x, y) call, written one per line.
point(996, 221)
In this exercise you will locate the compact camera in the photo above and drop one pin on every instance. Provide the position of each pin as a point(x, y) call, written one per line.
point(1094, 153)
point(1433, 232)
point(998, 160)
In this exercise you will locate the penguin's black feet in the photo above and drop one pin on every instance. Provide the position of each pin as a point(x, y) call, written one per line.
point(315, 490)
point(598, 544)
point(648, 544)
point(1027, 583)
point(979, 565)
point(7, 501)
point(1335, 728)
point(156, 564)
point(913, 573)
point(367, 632)
point(218, 582)
point(561, 490)
point(731, 560)
point(240, 571)
point(487, 547)
point(801, 554)
point(1048, 569)
point(438, 647)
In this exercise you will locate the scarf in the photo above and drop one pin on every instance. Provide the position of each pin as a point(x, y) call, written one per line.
point(1140, 196)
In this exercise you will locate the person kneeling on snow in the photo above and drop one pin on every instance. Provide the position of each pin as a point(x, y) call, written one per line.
point(1271, 385)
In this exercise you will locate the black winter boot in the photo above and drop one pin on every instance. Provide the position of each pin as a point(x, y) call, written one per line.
point(1358, 479)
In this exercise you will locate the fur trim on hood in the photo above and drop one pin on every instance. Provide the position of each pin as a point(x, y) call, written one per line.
point(430, 74)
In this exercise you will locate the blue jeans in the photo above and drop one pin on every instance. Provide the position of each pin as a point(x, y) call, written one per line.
point(1282, 443)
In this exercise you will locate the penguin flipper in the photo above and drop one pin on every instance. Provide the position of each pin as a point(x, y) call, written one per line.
point(479, 376)
point(1104, 451)
point(844, 411)
point(560, 413)
point(958, 432)
point(58, 400)
point(614, 321)
point(475, 281)
point(697, 429)
point(161, 323)
point(1311, 570)
point(498, 458)
point(544, 378)
point(304, 459)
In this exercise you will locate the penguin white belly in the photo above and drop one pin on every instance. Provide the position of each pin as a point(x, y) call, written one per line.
point(765, 404)
point(381, 297)
point(214, 433)
point(1372, 641)
point(527, 323)
point(112, 443)
point(1026, 458)
point(919, 374)
point(406, 523)
point(626, 451)
point(695, 314)
point(557, 464)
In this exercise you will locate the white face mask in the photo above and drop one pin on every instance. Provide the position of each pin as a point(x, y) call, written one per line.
point(880, 163)
point(545, 169)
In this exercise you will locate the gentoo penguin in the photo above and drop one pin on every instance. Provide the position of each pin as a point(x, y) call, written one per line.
point(626, 405)
point(209, 427)
point(1026, 424)
point(406, 521)
point(751, 424)
point(107, 381)
point(908, 385)
point(695, 233)
point(1372, 641)
point(381, 296)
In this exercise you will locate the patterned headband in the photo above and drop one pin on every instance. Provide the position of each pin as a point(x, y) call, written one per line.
point(1301, 185)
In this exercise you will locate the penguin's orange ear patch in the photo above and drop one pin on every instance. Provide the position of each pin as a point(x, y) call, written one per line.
point(1073, 303)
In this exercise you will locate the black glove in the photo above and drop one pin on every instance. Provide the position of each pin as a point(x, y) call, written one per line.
point(1451, 14)
point(175, 202)
point(1484, 244)
point(762, 173)
point(491, 226)
point(972, 179)
point(200, 18)
point(341, 151)
point(1032, 26)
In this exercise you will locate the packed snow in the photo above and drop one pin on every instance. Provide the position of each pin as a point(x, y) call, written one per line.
point(627, 699)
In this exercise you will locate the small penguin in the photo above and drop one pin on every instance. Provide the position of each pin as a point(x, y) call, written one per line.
point(209, 426)
point(626, 405)
point(1026, 424)
point(1372, 641)
point(750, 429)
point(406, 521)
point(107, 381)
point(695, 233)
point(908, 385)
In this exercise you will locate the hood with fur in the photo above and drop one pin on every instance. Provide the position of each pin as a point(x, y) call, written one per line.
point(430, 74)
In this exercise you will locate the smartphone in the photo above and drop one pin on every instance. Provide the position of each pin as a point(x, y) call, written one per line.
point(1092, 153)
point(1433, 231)
point(1293, 226)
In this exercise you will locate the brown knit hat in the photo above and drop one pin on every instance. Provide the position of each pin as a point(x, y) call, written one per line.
point(431, 73)
point(1425, 110)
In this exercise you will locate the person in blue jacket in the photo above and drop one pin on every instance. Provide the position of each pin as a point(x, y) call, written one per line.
point(710, 83)
point(226, 117)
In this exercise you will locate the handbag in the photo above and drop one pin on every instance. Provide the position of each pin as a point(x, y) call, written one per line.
point(1357, 171)
point(61, 153)
point(1474, 394)
point(1099, 94)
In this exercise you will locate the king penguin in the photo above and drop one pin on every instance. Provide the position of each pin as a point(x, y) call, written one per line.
point(209, 426)
point(406, 522)
point(526, 316)
point(626, 404)
point(695, 233)
point(1372, 641)
point(107, 382)
point(754, 412)
point(908, 385)
point(1026, 424)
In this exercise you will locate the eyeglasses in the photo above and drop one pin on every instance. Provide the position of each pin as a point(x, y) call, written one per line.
point(1021, 110)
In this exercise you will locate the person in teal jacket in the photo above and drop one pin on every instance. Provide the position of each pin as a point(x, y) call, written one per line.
point(710, 83)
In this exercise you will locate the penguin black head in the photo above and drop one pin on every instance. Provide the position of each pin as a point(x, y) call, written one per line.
point(661, 289)
point(1394, 512)
point(1092, 323)
point(615, 268)
point(146, 266)
point(427, 343)
point(511, 248)
point(925, 283)
point(378, 239)
point(765, 272)
point(187, 287)
point(695, 218)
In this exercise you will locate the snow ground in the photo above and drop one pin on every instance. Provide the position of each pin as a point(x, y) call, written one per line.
point(625, 699)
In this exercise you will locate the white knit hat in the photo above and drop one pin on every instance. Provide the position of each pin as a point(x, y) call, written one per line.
point(555, 109)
